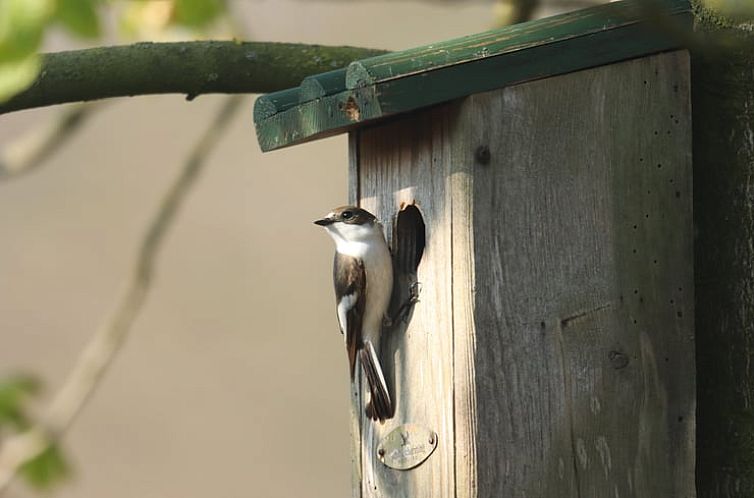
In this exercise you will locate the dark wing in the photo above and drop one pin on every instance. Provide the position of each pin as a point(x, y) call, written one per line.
point(350, 292)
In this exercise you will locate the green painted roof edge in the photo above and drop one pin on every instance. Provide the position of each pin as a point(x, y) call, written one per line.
point(376, 87)
point(506, 40)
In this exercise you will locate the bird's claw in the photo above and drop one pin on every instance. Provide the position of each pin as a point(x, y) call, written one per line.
point(413, 292)
point(401, 315)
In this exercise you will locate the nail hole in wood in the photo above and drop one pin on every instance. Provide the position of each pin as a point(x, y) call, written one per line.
point(482, 155)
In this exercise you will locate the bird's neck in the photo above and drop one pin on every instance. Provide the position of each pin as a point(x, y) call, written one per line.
point(356, 248)
point(367, 242)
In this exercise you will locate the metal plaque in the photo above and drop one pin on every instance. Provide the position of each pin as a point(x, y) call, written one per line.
point(407, 446)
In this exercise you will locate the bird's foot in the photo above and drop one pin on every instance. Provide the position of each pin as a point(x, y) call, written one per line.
point(401, 315)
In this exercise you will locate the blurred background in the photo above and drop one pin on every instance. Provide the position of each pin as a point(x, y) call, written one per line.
point(233, 381)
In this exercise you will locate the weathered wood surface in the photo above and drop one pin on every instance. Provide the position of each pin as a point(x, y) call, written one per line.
point(584, 284)
point(552, 349)
point(402, 163)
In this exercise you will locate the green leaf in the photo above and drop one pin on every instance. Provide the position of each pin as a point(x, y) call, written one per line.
point(197, 13)
point(13, 393)
point(47, 469)
point(17, 75)
point(79, 17)
point(22, 24)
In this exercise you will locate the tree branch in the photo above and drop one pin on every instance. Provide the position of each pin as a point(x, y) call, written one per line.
point(191, 68)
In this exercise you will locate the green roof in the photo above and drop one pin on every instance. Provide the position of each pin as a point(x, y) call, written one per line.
point(373, 88)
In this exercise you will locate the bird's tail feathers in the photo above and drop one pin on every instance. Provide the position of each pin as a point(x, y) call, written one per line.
point(380, 407)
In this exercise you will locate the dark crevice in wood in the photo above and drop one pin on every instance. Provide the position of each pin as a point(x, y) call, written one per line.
point(565, 322)
point(409, 239)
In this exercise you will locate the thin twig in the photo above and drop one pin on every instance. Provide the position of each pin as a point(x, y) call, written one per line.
point(31, 150)
point(103, 346)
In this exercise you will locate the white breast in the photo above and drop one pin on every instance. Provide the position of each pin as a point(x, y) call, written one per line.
point(367, 243)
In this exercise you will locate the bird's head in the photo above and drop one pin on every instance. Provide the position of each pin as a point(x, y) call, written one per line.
point(350, 224)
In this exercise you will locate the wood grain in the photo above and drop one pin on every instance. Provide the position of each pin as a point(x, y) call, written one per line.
point(584, 284)
point(552, 350)
point(402, 163)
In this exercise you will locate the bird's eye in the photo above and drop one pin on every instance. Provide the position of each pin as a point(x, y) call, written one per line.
point(347, 215)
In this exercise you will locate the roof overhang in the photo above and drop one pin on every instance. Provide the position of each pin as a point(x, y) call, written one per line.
point(385, 85)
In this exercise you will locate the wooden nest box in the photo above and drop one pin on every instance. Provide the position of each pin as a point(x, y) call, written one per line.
point(551, 353)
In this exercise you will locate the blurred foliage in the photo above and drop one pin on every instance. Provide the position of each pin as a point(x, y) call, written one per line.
point(196, 13)
point(79, 17)
point(14, 393)
point(23, 24)
point(50, 466)
point(736, 11)
point(46, 469)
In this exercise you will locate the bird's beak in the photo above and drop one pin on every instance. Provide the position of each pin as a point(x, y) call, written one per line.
point(324, 222)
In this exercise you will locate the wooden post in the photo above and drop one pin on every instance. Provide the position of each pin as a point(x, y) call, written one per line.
point(552, 350)
point(724, 255)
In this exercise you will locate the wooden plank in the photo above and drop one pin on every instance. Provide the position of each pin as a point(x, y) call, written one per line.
point(506, 40)
point(582, 382)
point(273, 103)
point(322, 85)
point(350, 109)
point(463, 265)
point(399, 163)
point(356, 402)
point(723, 105)
point(318, 119)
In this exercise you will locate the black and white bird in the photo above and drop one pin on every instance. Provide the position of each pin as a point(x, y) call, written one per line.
point(363, 277)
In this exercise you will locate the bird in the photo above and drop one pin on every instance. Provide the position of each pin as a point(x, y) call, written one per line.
point(363, 280)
